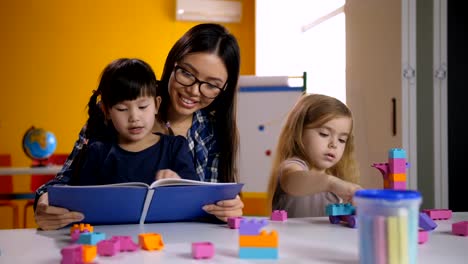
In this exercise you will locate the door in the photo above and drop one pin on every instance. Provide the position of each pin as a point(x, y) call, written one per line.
point(374, 81)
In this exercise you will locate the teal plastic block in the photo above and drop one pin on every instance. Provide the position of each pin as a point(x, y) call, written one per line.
point(339, 209)
point(258, 253)
point(397, 153)
point(91, 238)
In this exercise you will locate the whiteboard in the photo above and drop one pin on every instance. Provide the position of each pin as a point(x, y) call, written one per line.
point(261, 112)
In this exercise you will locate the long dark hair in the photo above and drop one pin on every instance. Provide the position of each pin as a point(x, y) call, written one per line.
point(214, 39)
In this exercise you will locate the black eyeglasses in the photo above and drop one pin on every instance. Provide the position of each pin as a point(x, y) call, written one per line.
point(186, 78)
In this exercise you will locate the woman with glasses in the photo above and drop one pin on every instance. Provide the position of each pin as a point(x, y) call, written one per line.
point(198, 88)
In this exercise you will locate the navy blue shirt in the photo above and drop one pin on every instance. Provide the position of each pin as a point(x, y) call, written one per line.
point(107, 163)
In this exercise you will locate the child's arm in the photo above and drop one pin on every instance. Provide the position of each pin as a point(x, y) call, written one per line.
point(296, 181)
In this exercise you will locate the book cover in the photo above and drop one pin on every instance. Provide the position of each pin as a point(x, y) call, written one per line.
point(165, 200)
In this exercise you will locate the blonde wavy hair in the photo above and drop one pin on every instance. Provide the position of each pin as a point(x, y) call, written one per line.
point(312, 111)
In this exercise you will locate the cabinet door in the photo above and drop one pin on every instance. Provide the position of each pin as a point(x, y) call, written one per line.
point(373, 81)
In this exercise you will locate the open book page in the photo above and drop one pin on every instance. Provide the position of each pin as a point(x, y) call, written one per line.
point(178, 182)
point(123, 184)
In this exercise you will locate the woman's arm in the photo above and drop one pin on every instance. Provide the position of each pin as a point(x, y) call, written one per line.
point(64, 175)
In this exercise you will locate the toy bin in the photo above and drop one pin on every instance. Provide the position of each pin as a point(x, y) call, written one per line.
point(388, 226)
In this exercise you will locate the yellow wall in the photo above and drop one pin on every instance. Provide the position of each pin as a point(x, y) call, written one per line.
point(53, 51)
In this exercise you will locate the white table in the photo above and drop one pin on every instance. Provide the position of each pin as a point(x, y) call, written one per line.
point(29, 170)
point(302, 240)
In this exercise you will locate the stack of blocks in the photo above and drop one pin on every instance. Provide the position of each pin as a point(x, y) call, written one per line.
point(255, 243)
point(394, 172)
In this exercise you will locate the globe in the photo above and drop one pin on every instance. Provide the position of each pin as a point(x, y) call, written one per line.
point(39, 144)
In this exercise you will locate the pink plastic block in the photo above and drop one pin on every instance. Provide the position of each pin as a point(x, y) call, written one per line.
point(398, 185)
point(202, 250)
point(108, 247)
point(423, 236)
point(126, 243)
point(234, 222)
point(279, 215)
point(397, 165)
point(72, 254)
point(383, 168)
point(460, 228)
point(438, 214)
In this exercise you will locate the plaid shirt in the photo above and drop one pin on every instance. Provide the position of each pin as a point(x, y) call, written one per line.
point(201, 141)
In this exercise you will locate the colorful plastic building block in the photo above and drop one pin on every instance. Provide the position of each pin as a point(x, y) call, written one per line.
point(279, 215)
point(423, 236)
point(341, 213)
point(251, 227)
point(72, 254)
point(91, 238)
point(202, 250)
point(460, 228)
point(108, 247)
point(82, 228)
point(258, 253)
point(397, 153)
point(426, 223)
point(263, 239)
point(337, 209)
point(438, 214)
point(126, 243)
point(78, 254)
point(234, 222)
point(89, 253)
point(150, 241)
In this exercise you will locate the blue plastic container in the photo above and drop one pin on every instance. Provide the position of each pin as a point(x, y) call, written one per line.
point(388, 226)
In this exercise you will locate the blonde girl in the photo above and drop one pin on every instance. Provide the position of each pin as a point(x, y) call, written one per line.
point(314, 163)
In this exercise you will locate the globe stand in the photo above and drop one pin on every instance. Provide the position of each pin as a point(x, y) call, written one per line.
point(39, 163)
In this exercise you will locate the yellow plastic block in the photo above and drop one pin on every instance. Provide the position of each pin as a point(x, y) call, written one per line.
point(261, 240)
point(89, 253)
point(150, 241)
point(396, 177)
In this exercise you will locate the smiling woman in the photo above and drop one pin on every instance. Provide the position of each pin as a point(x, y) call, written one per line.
point(210, 54)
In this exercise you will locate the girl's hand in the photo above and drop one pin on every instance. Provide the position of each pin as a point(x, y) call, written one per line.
point(343, 189)
point(167, 173)
point(224, 209)
point(51, 217)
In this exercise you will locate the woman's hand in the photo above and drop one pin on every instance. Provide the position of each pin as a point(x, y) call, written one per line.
point(167, 173)
point(343, 189)
point(224, 209)
point(51, 217)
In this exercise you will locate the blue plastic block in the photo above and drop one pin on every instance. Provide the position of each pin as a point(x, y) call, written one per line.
point(339, 209)
point(426, 223)
point(397, 153)
point(258, 253)
point(91, 238)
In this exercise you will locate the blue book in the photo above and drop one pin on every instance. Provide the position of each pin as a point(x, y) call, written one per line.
point(165, 200)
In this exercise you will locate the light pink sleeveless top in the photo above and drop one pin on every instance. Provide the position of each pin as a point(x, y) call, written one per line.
point(301, 206)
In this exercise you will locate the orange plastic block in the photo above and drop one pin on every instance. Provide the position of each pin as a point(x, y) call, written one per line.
point(150, 241)
point(261, 240)
point(82, 227)
point(89, 253)
point(396, 177)
point(386, 184)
